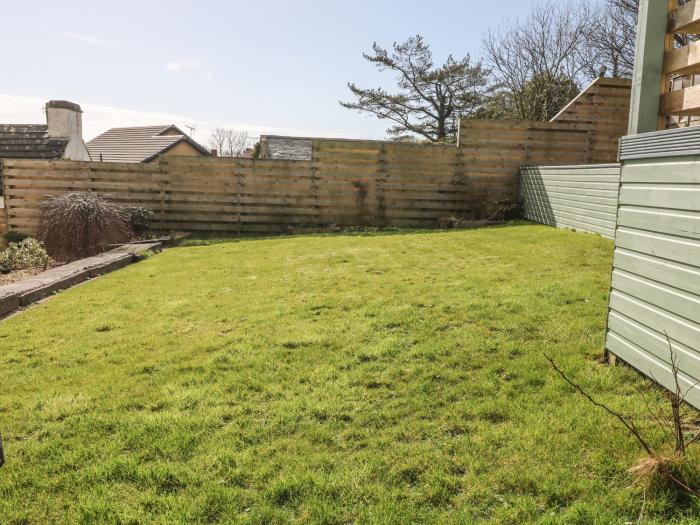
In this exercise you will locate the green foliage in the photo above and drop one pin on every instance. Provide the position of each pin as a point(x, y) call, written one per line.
point(15, 236)
point(362, 378)
point(541, 98)
point(140, 219)
point(544, 96)
point(27, 253)
point(256, 150)
point(428, 100)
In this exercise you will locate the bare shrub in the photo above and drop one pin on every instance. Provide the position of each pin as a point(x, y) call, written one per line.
point(81, 224)
point(666, 467)
point(483, 205)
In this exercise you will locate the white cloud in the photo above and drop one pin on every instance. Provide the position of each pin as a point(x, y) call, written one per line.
point(90, 40)
point(182, 65)
point(97, 119)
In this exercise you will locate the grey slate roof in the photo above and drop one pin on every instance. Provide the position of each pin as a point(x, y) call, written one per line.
point(138, 144)
point(30, 141)
point(286, 148)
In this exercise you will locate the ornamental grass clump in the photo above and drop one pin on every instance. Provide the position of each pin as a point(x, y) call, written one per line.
point(81, 224)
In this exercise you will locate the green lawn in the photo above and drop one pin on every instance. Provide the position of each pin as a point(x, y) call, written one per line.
point(378, 378)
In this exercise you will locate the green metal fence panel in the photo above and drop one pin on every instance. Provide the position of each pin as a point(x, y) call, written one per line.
point(582, 198)
point(655, 295)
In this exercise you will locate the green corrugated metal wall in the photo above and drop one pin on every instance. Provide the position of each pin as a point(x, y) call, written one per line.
point(656, 274)
point(582, 198)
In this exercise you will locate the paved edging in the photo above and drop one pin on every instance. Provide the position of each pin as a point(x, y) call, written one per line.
point(28, 291)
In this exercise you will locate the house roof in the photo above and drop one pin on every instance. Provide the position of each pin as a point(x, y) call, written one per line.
point(286, 148)
point(30, 141)
point(138, 144)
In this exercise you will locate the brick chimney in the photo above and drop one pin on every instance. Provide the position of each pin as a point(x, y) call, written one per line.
point(65, 120)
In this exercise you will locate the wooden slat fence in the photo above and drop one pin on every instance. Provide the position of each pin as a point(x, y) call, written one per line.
point(602, 109)
point(582, 198)
point(3, 226)
point(348, 183)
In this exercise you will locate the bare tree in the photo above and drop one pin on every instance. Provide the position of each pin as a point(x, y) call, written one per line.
point(611, 39)
point(549, 47)
point(229, 142)
point(236, 143)
point(429, 100)
point(217, 140)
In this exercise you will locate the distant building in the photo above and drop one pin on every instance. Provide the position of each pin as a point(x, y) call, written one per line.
point(60, 138)
point(285, 148)
point(143, 144)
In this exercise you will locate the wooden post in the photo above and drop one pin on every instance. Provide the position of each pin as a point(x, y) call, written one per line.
point(665, 86)
point(239, 190)
point(648, 66)
point(164, 174)
point(380, 178)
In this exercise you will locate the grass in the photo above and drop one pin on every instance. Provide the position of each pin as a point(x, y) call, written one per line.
point(378, 378)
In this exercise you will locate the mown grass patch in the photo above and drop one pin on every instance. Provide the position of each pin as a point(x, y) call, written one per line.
point(326, 379)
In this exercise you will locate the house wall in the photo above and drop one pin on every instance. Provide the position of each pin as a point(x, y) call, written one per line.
point(656, 275)
point(582, 198)
point(182, 149)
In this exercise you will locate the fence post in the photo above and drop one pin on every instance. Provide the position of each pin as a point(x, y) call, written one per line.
point(648, 65)
point(4, 218)
point(239, 188)
point(163, 173)
point(382, 173)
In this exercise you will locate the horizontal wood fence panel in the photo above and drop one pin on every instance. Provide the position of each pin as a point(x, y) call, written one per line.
point(268, 196)
point(349, 182)
point(3, 227)
point(583, 198)
point(656, 275)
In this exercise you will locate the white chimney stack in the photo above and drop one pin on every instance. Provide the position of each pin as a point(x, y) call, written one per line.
point(65, 120)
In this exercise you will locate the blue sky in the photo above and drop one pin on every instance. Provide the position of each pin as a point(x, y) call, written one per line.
point(274, 66)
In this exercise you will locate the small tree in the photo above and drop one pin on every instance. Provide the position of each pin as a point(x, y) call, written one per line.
point(429, 100)
point(229, 142)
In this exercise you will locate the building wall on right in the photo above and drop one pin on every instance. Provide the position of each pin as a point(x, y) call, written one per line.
point(655, 297)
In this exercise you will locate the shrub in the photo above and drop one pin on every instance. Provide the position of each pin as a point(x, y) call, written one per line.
point(140, 219)
point(81, 224)
point(27, 253)
point(15, 236)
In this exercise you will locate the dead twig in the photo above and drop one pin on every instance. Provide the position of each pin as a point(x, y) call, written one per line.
point(628, 423)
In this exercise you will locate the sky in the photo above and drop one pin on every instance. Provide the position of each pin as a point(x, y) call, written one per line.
point(273, 67)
